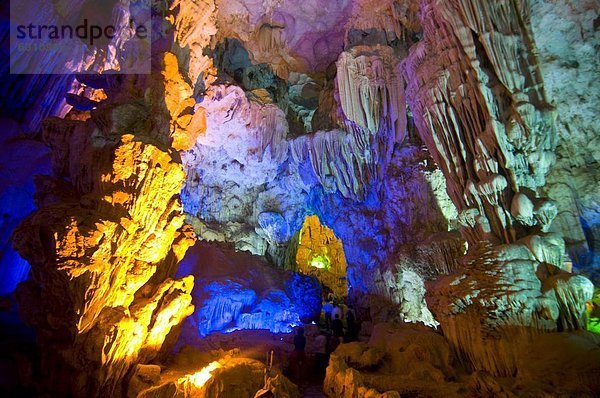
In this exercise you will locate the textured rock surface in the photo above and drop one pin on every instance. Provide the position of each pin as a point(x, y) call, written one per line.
point(237, 291)
point(321, 254)
point(487, 145)
point(228, 375)
point(524, 307)
point(286, 36)
point(230, 165)
point(252, 183)
point(28, 99)
point(475, 89)
point(569, 65)
point(395, 123)
point(408, 360)
point(371, 94)
point(396, 361)
point(16, 197)
point(104, 245)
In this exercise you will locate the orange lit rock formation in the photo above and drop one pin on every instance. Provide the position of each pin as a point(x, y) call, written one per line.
point(321, 253)
point(105, 242)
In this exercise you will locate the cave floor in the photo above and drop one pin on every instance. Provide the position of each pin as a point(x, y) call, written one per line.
point(311, 390)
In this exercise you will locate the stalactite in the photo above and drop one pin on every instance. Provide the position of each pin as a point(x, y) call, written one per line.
point(370, 89)
point(395, 20)
point(480, 137)
point(194, 25)
point(474, 87)
point(400, 124)
point(232, 163)
point(341, 160)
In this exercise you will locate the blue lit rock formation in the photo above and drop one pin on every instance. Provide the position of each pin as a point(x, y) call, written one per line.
point(237, 291)
point(252, 183)
point(16, 197)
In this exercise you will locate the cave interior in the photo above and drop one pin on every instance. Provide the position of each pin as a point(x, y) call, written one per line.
point(341, 198)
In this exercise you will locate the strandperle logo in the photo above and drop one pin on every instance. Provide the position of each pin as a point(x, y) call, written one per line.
point(86, 32)
point(48, 38)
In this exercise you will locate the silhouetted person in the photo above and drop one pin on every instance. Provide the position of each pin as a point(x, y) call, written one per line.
point(332, 343)
point(321, 359)
point(327, 308)
point(337, 311)
point(337, 327)
point(351, 332)
point(298, 355)
point(299, 340)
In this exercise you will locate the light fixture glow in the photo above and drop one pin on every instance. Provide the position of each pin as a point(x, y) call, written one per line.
point(200, 378)
point(321, 262)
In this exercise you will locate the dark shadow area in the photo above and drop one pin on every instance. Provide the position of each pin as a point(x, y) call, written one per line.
point(19, 355)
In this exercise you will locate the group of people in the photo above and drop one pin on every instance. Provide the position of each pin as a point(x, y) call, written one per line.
point(336, 314)
point(322, 345)
point(339, 326)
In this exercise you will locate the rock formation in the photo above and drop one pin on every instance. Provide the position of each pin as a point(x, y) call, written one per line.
point(412, 360)
point(107, 236)
point(321, 254)
point(239, 291)
point(430, 161)
point(228, 375)
point(475, 89)
point(568, 65)
point(16, 197)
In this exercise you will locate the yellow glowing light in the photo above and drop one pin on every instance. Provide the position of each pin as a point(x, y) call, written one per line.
point(200, 378)
point(320, 262)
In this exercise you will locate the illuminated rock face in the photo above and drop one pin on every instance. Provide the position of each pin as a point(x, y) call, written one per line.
point(475, 89)
point(28, 99)
point(321, 254)
point(230, 167)
point(283, 110)
point(284, 35)
point(194, 25)
point(489, 147)
point(238, 291)
point(229, 377)
point(104, 245)
point(399, 360)
point(409, 361)
point(568, 63)
point(251, 181)
point(371, 93)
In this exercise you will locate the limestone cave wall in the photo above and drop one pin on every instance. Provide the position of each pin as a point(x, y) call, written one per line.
point(449, 146)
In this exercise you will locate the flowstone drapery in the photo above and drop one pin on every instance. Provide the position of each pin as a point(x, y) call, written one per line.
point(475, 89)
